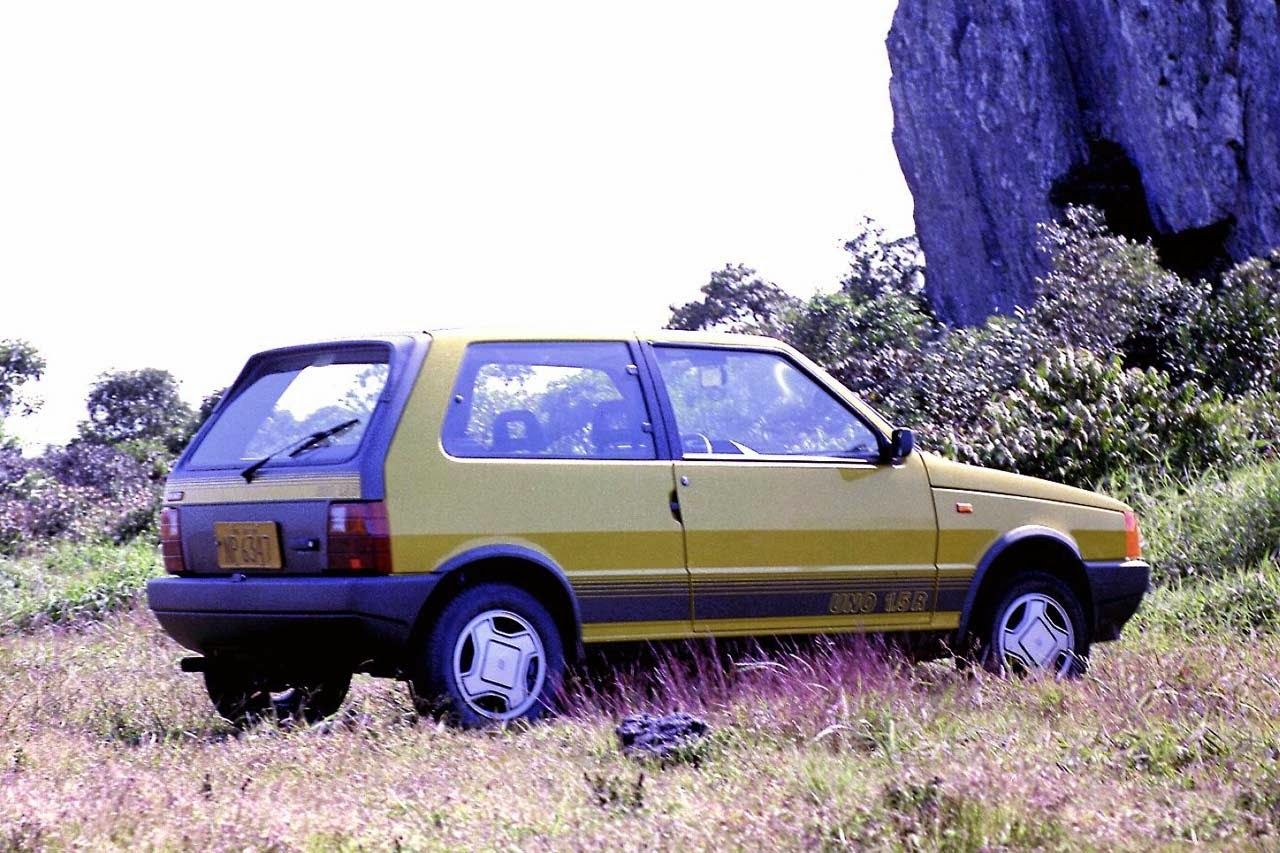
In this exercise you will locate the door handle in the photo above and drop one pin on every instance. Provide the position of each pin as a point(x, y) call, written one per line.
point(674, 503)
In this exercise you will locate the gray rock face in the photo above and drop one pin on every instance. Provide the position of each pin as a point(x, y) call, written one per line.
point(1007, 109)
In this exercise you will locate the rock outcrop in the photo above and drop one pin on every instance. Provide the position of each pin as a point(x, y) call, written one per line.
point(1165, 114)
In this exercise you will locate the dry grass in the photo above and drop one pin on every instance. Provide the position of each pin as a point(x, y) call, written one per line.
point(104, 744)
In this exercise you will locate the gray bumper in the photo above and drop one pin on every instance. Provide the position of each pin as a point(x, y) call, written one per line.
point(1117, 589)
point(362, 622)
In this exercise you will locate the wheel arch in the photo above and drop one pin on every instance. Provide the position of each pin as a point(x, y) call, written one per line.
point(1046, 549)
point(511, 564)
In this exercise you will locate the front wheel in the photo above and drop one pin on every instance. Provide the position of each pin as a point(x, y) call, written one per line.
point(494, 655)
point(1037, 625)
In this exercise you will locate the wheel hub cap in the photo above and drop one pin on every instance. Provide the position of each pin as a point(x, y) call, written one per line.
point(499, 664)
point(1035, 633)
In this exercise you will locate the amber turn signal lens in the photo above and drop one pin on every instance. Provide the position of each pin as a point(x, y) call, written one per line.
point(1132, 538)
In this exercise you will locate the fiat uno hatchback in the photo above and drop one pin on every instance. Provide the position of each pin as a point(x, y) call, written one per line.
point(465, 510)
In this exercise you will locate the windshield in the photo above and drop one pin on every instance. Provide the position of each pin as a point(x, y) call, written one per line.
point(294, 398)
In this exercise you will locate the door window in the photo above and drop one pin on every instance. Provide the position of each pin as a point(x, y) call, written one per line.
point(751, 403)
point(553, 400)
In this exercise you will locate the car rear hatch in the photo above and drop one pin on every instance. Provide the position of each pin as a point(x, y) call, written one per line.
point(286, 477)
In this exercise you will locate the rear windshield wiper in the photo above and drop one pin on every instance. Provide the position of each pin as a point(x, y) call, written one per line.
point(304, 445)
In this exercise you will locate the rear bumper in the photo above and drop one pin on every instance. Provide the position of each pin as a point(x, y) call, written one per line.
point(361, 622)
point(1118, 587)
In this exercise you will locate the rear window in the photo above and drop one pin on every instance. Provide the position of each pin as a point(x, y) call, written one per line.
point(291, 398)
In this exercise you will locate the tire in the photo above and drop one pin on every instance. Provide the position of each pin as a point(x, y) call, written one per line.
point(494, 655)
point(244, 697)
point(313, 699)
point(238, 695)
point(1037, 625)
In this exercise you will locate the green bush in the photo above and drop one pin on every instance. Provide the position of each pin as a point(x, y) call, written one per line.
point(1242, 602)
point(1080, 419)
point(1120, 366)
point(72, 583)
point(1110, 295)
point(1213, 526)
point(1238, 330)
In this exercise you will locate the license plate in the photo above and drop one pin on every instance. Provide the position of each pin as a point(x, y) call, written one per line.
point(248, 544)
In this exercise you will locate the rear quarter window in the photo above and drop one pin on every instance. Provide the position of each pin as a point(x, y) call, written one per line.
point(288, 399)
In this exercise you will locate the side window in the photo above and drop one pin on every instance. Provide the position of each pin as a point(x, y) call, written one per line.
point(553, 400)
point(748, 402)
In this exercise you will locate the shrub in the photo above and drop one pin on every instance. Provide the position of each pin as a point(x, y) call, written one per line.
point(72, 583)
point(1212, 526)
point(1138, 368)
point(1240, 602)
point(1078, 418)
point(1238, 330)
point(81, 493)
point(869, 341)
point(1110, 295)
point(960, 372)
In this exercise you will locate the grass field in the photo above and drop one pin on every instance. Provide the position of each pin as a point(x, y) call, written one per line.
point(1171, 737)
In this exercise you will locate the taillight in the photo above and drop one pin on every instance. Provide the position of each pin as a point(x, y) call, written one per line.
point(171, 541)
point(1132, 538)
point(359, 537)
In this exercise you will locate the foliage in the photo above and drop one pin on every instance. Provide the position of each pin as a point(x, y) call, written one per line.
point(737, 299)
point(1078, 418)
point(1119, 366)
point(73, 583)
point(1108, 294)
point(880, 264)
point(208, 403)
point(1242, 602)
point(1238, 330)
point(869, 341)
point(20, 363)
point(1211, 525)
point(137, 408)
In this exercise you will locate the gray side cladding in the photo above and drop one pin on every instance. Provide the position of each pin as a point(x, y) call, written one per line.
point(996, 101)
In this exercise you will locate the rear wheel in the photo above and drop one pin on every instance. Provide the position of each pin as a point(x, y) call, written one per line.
point(494, 655)
point(1037, 625)
point(243, 696)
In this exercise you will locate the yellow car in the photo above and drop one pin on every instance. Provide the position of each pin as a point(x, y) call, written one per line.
point(464, 510)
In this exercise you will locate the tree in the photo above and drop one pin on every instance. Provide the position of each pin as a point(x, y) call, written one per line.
point(879, 265)
point(137, 407)
point(20, 363)
point(736, 299)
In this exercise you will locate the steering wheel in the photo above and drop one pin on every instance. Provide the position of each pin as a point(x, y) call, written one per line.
point(689, 440)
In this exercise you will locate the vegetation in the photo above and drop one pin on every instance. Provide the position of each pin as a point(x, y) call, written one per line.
point(1120, 368)
point(1170, 738)
point(1122, 376)
point(73, 583)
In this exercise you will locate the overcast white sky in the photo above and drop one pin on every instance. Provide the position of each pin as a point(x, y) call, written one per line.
point(183, 184)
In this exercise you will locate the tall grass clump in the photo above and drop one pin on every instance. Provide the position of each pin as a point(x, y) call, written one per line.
point(1243, 603)
point(73, 582)
point(1212, 526)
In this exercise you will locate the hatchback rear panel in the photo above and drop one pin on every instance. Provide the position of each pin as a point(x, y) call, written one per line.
point(287, 500)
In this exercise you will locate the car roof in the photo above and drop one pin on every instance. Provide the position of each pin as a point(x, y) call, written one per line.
point(536, 333)
point(469, 334)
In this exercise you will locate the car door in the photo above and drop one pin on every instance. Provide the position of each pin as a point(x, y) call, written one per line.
point(550, 447)
point(792, 520)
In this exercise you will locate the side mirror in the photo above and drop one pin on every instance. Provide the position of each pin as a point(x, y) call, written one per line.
point(901, 443)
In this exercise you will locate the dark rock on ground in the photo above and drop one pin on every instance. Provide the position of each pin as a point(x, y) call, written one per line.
point(646, 735)
point(1165, 114)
